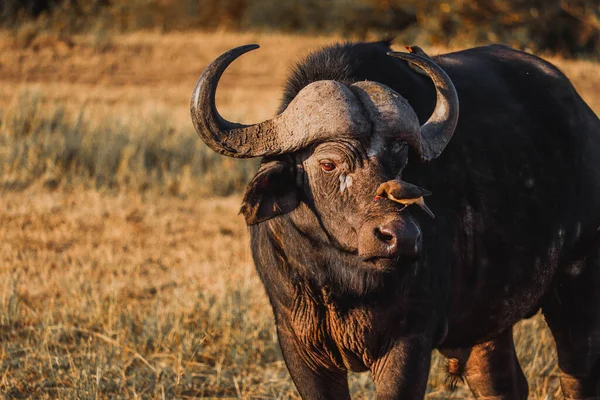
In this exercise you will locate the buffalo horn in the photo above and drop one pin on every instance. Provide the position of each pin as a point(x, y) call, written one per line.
point(322, 110)
point(439, 128)
point(224, 137)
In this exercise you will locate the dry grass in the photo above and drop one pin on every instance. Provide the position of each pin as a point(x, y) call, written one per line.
point(150, 72)
point(153, 297)
point(107, 290)
point(145, 152)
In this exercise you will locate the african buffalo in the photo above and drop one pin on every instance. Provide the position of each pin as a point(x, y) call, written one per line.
point(358, 284)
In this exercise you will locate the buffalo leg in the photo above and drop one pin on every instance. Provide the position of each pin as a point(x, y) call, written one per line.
point(403, 371)
point(572, 311)
point(313, 381)
point(491, 369)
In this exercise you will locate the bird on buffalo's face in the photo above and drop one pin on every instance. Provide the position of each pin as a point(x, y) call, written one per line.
point(404, 193)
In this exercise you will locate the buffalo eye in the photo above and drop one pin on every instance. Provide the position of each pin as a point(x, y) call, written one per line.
point(327, 166)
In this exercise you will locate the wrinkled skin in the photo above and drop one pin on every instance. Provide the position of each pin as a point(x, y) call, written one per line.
point(352, 215)
point(328, 326)
point(357, 284)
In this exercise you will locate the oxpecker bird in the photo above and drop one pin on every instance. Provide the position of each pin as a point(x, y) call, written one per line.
point(418, 51)
point(404, 193)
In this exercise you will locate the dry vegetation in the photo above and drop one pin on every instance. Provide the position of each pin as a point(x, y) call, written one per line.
point(121, 275)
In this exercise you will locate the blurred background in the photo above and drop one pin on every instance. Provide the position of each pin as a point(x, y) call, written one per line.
point(567, 27)
point(125, 270)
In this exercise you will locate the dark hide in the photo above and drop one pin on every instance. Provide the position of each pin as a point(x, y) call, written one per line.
point(515, 195)
point(273, 191)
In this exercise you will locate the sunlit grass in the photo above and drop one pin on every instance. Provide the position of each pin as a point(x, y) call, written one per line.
point(143, 295)
point(59, 149)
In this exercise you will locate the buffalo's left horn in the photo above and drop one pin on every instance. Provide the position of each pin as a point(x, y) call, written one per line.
point(439, 128)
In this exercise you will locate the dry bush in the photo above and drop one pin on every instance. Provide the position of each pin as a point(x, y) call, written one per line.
point(567, 27)
point(55, 149)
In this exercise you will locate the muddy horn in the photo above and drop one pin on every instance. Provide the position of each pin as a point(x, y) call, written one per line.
point(224, 137)
point(322, 110)
point(439, 128)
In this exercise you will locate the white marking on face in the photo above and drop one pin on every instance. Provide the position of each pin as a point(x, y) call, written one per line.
point(348, 181)
point(342, 183)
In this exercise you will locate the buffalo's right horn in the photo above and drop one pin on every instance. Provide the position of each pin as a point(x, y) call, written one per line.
point(224, 137)
point(322, 110)
point(439, 128)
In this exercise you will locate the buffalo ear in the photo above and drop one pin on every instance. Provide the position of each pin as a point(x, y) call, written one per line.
point(272, 192)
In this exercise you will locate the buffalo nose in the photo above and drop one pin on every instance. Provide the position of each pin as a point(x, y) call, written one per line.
point(386, 235)
point(394, 238)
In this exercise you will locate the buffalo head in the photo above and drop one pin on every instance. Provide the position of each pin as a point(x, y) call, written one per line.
point(327, 153)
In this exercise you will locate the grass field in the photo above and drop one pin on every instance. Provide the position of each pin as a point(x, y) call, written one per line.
point(121, 273)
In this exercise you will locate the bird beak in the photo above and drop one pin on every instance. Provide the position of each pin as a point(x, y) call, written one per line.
point(426, 209)
point(377, 198)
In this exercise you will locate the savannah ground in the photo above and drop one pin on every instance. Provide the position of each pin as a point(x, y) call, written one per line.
point(125, 270)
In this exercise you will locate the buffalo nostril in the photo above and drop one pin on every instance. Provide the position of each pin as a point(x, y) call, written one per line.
point(384, 235)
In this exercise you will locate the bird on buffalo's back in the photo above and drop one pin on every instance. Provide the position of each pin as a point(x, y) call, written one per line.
point(419, 52)
point(404, 193)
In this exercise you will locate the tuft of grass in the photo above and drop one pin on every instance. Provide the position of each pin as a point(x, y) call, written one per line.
point(45, 144)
